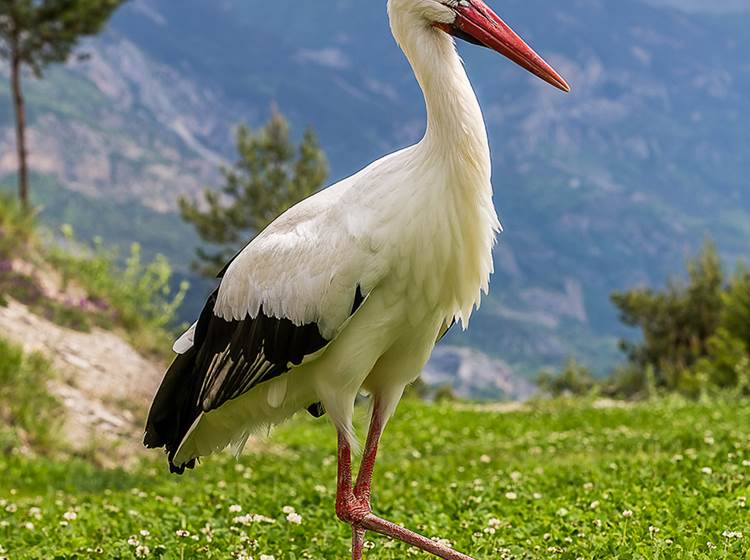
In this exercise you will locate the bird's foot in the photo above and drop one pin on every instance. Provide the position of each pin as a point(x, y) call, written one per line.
point(356, 512)
point(353, 511)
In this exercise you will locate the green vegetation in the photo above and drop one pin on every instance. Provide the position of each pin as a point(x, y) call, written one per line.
point(695, 336)
point(97, 289)
point(136, 297)
point(28, 413)
point(271, 175)
point(657, 480)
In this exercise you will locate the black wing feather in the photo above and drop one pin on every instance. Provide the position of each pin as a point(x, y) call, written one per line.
point(228, 358)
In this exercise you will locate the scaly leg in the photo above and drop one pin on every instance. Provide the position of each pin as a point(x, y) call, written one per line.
point(353, 504)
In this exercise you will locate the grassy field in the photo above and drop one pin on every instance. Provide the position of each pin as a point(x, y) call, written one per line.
point(664, 479)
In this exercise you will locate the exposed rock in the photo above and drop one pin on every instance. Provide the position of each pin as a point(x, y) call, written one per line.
point(105, 384)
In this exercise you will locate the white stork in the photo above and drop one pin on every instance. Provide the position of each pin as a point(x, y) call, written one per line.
point(349, 290)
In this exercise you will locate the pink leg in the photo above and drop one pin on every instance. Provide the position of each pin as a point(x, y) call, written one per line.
point(353, 504)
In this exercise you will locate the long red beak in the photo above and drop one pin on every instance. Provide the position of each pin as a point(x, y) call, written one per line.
point(477, 20)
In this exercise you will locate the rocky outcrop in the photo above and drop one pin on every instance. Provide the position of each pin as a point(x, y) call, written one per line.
point(104, 384)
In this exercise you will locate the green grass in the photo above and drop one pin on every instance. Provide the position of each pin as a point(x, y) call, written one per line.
point(28, 413)
point(554, 482)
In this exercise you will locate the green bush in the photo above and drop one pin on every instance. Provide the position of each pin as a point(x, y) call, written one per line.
point(138, 295)
point(29, 413)
point(735, 315)
point(16, 227)
point(676, 322)
point(575, 379)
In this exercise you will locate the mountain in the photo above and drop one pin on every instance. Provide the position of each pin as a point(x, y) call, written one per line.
point(605, 188)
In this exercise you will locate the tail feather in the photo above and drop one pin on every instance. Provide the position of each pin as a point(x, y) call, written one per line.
point(173, 412)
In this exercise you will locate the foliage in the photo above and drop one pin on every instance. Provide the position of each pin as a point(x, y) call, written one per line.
point(42, 32)
point(561, 480)
point(139, 294)
point(695, 337)
point(16, 228)
point(575, 379)
point(677, 322)
point(270, 176)
point(29, 415)
point(735, 316)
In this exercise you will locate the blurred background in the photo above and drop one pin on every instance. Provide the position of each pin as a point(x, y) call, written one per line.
point(609, 188)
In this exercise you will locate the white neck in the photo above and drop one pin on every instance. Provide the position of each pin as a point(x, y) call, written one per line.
point(455, 126)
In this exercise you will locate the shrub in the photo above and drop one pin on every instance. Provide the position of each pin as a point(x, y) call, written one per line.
point(138, 294)
point(676, 322)
point(29, 413)
point(16, 228)
point(735, 315)
point(575, 379)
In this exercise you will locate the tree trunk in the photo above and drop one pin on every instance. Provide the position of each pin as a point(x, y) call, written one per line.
point(23, 171)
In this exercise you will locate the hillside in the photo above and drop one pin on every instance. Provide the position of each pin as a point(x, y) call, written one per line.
point(603, 189)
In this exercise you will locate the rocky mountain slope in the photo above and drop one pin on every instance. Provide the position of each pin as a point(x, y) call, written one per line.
point(599, 190)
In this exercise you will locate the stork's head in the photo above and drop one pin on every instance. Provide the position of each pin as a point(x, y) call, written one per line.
point(475, 22)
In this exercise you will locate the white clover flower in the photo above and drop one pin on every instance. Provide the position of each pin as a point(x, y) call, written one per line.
point(598, 522)
point(594, 504)
point(320, 489)
point(707, 470)
point(369, 545)
point(267, 557)
point(485, 459)
point(653, 530)
point(11, 508)
point(732, 534)
point(627, 514)
point(243, 519)
point(444, 542)
point(141, 551)
point(710, 545)
point(132, 541)
point(294, 517)
point(287, 509)
point(28, 525)
point(144, 532)
point(70, 516)
point(494, 522)
point(182, 533)
point(35, 512)
point(490, 530)
point(746, 463)
point(235, 508)
point(511, 495)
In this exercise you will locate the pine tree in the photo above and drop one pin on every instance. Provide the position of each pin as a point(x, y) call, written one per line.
point(35, 34)
point(270, 176)
point(676, 322)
